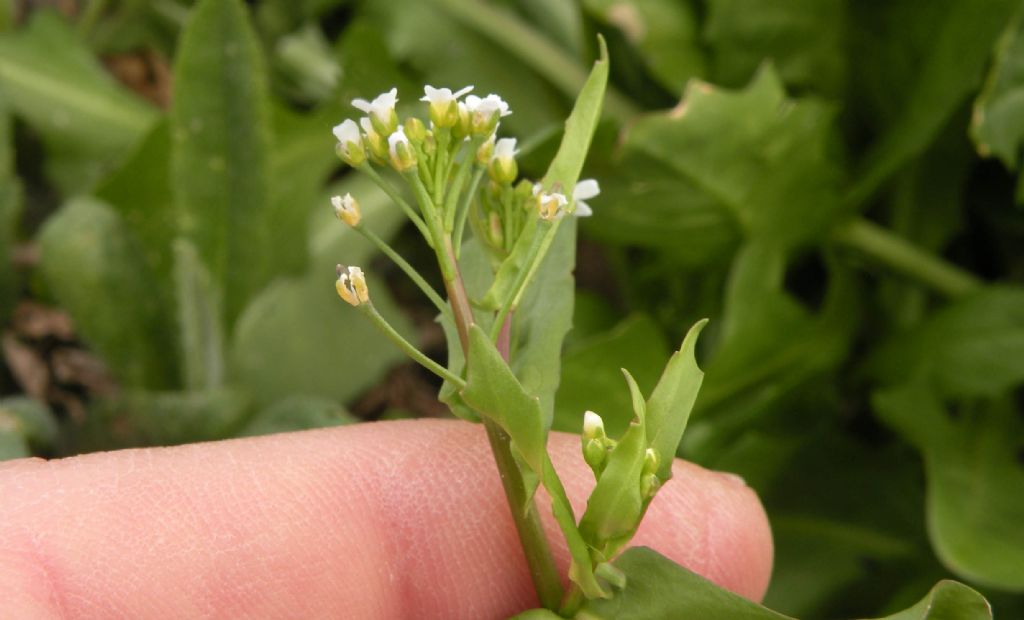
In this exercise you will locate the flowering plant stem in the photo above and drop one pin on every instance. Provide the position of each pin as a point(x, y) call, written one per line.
point(524, 513)
point(408, 269)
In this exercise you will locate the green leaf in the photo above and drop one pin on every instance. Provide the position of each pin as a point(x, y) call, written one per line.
point(658, 588)
point(669, 407)
point(25, 424)
point(545, 314)
point(150, 418)
point(972, 347)
point(591, 370)
point(50, 79)
point(974, 506)
point(565, 168)
point(803, 39)
point(10, 211)
point(933, 57)
point(202, 340)
point(221, 129)
point(296, 413)
point(996, 125)
point(760, 157)
point(493, 391)
point(140, 191)
point(96, 270)
point(665, 33)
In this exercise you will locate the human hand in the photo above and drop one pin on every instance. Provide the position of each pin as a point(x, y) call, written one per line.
point(385, 520)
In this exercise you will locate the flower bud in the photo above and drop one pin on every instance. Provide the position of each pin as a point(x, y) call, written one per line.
point(464, 127)
point(593, 426)
point(649, 485)
point(485, 152)
point(503, 168)
point(351, 286)
point(595, 453)
point(377, 143)
point(403, 157)
point(651, 461)
point(415, 130)
point(495, 231)
point(350, 143)
point(347, 209)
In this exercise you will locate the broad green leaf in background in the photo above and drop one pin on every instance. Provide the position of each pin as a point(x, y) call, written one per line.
point(665, 33)
point(140, 191)
point(591, 375)
point(545, 314)
point(762, 158)
point(52, 81)
point(297, 337)
point(973, 347)
point(657, 588)
point(26, 425)
point(771, 346)
point(949, 43)
point(10, 209)
point(997, 125)
point(413, 29)
point(150, 418)
point(198, 306)
point(296, 413)
point(220, 124)
point(95, 268)
point(974, 507)
point(803, 39)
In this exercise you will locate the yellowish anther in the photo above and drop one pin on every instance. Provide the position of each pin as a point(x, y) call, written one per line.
point(551, 206)
point(347, 209)
point(351, 286)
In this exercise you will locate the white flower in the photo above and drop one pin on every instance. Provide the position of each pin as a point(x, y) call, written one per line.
point(382, 108)
point(483, 114)
point(351, 286)
point(350, 142)
point(347, 209)
point(505, 149)
point(551, 206)
point(347, 132)
point(442, 97)
point(487, 106)
point(585, 190)
point(367, 125)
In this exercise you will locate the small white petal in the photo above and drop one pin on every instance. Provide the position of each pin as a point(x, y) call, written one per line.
point(592, 424)
point(397, 138)
point(505, 148)
point(586, 189)
point(583, 209)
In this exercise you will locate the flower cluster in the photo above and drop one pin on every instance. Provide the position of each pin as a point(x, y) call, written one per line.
point(444, 156)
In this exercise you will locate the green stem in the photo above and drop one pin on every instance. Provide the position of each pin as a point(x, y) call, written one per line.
point(534, 541)
point(523, 509)
point(455, 190)
point(463, 214)
point(409, 270)
point(533, 49)
point(507, 305)
point(368, 170)
point(901, 255)
point(409, 349)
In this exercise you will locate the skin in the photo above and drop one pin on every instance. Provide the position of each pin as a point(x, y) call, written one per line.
point(384, 520)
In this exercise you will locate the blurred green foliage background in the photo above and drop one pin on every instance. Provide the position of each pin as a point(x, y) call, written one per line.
point(834, 183)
